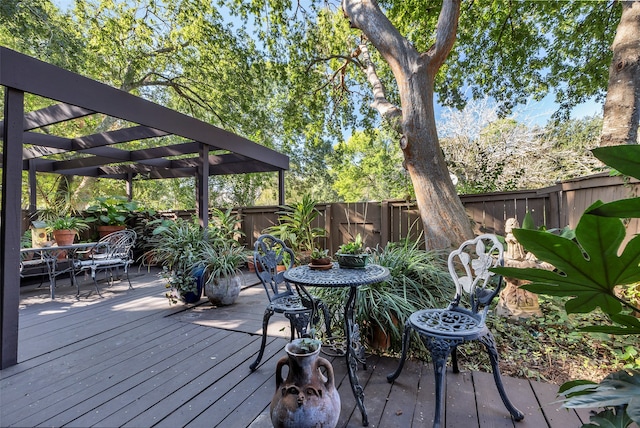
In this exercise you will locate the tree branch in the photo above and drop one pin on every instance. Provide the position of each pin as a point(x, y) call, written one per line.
point(367, 16)
point(387, 110)
point(445, 33)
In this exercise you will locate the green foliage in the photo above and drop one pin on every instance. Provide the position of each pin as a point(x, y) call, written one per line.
point(222, 260)
point(305, 345)
point(354, 247)
point(67, 223)
point(588, 270)
point(317, 253)
point(619, 389)
point(295, 225)
point(419, 279)
point(225, 227)
point(112, 210)
point(368, 166)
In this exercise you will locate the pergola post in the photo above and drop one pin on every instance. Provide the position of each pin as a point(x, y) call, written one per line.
point(202, 186)
point(33, 203)
point(130, 186)
point(281, 197)
point(9, 219)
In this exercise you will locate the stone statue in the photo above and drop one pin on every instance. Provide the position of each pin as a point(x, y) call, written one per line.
point(515, 302)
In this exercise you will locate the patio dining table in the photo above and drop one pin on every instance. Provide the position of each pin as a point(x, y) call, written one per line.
point(58, 260)
point(306, 276)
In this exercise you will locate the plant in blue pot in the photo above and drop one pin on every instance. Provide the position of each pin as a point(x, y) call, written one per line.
point(177, 246)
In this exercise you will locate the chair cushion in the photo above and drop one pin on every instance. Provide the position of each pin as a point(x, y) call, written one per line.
point(100, 262)
point(445, 322)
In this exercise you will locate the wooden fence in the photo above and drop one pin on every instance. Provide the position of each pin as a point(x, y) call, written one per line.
point(392, 220)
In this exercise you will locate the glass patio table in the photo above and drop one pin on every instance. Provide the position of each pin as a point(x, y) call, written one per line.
point(304, 276)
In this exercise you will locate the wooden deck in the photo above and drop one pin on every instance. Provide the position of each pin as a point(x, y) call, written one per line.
point(129, 359)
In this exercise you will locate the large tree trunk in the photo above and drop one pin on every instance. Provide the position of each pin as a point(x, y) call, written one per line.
point(621, 113)
point(443, 216)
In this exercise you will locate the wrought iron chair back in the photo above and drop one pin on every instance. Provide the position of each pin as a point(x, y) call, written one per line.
point(269, 253)
point(112, 251)
point(443, 330)
point(469, 265)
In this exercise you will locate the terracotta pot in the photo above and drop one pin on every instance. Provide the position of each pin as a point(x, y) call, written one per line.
point(321, 262)
point(306, 398)
point(105, 229)
point(64, 236)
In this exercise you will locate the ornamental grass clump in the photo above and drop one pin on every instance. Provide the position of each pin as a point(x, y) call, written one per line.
point(419, 279)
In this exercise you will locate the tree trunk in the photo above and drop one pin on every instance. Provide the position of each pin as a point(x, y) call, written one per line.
point(443, 216)
point(621, 114)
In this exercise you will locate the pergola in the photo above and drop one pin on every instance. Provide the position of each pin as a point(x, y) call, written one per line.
point(186, 147)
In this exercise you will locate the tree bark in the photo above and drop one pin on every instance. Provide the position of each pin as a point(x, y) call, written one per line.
point(621, 114)
point(444, 219)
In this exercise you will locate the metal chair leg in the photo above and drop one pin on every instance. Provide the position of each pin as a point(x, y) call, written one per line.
point(265, 322)
point(440, 350)
point(454, 360)
point(489, 343)
point(406, 341)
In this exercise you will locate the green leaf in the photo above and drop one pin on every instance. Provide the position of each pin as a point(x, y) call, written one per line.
point(609, 419)
point(626, 208)
point(527, 222)
point(621, 388)
point(627, 324)
point(625, 158)
point(588, 268)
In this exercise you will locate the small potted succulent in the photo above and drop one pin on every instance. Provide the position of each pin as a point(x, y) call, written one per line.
point(320, 259)
point(352, 254)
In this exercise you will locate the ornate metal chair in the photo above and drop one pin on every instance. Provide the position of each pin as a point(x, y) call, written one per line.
point(442, 330)
point(113, 251)
point(269, 253)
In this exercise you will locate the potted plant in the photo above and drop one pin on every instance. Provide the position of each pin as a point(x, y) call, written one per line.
point(110, 213)
point(65, 229)
point(177, 246)
point(320, 259)
point(419, 279)
point(295, 227)
point(352, 255)
point(220, 264)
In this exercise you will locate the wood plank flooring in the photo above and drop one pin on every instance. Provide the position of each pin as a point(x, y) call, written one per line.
point(130, 359)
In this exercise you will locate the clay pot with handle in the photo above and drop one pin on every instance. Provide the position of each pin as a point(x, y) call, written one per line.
point(306, 398)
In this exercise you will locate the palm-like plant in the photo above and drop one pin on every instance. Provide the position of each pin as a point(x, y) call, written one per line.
point(295, 226)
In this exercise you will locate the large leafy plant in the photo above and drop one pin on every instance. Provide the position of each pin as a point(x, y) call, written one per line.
point(591, 270)
point(295, 225)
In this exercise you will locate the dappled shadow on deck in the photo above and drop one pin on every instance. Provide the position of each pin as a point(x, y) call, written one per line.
point(131, 359)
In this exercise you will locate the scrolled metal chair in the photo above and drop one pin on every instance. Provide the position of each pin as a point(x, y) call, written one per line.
point(269, 253)
point(442, 330)
point(112, 251)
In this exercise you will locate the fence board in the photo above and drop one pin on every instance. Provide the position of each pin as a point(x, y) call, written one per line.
point(393, 220)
